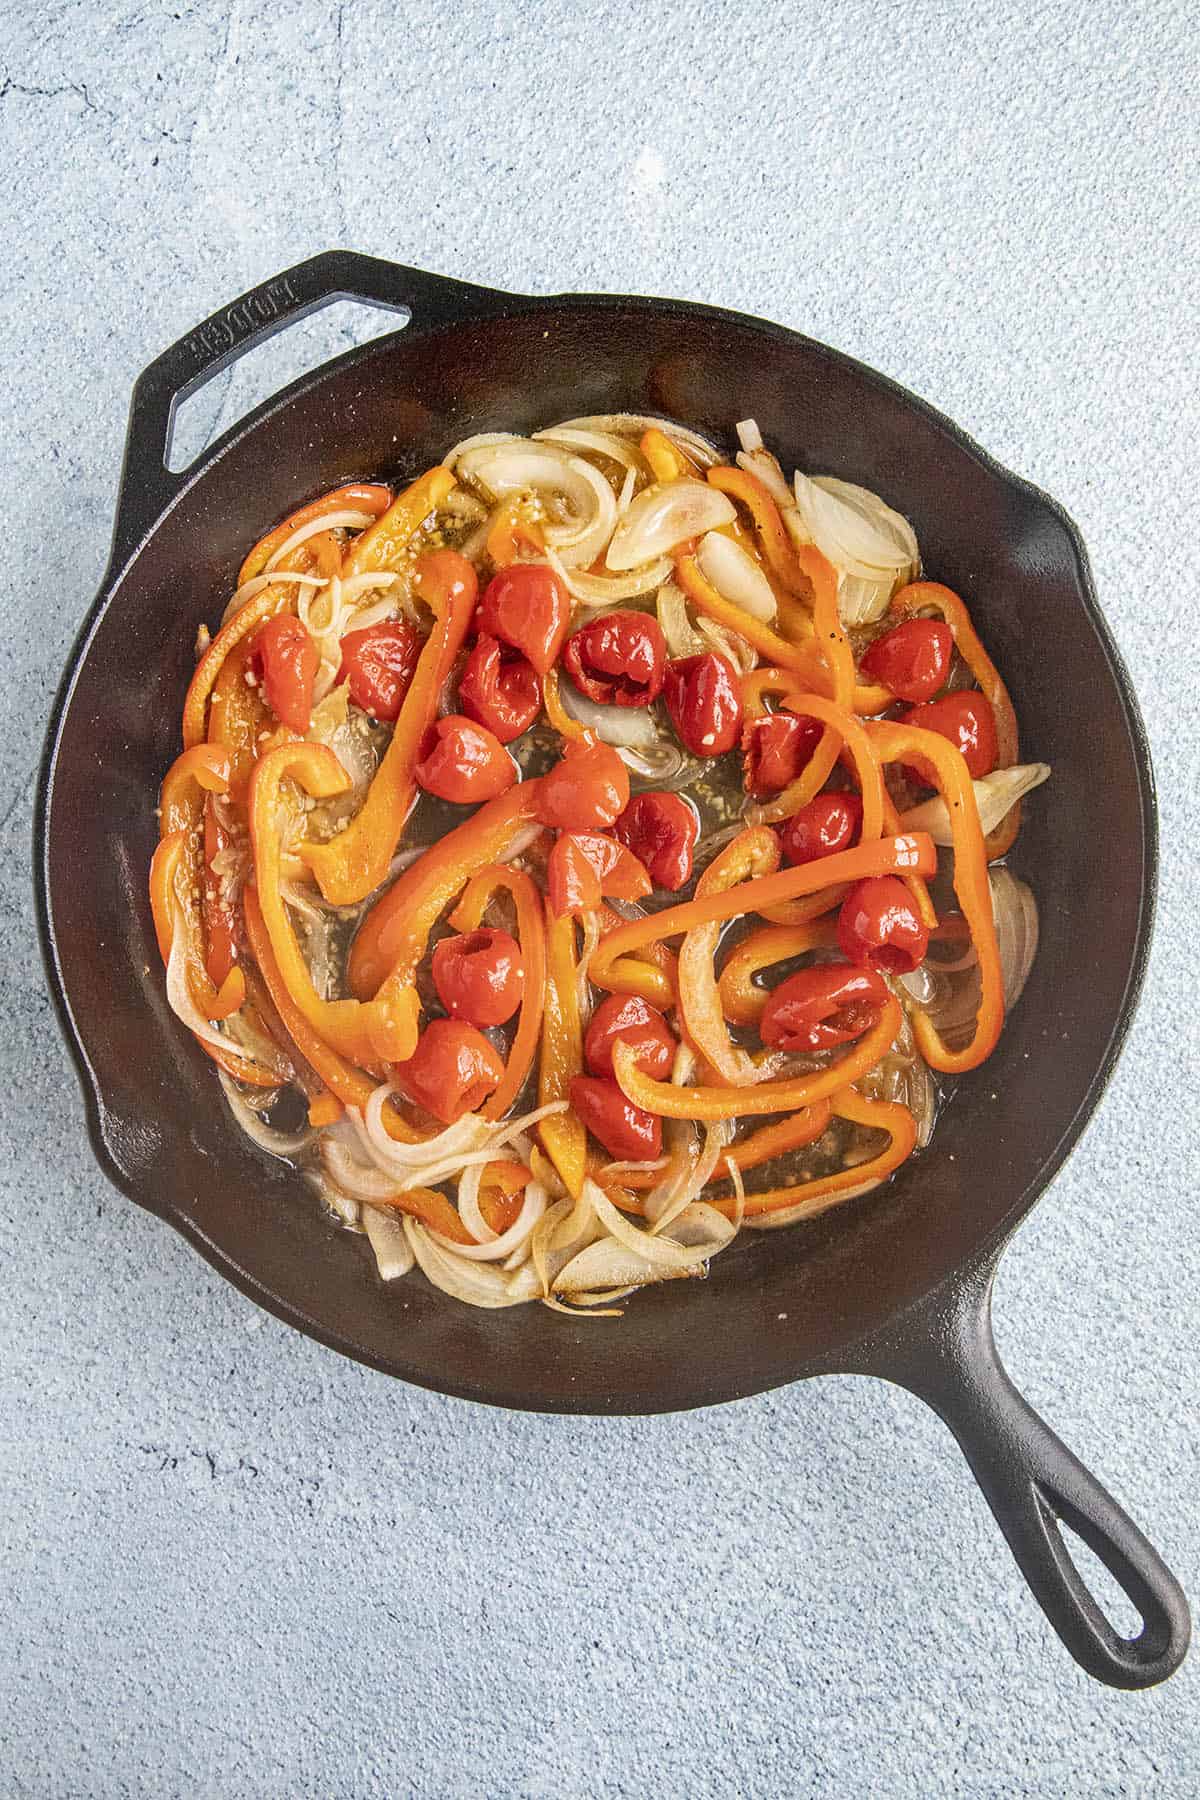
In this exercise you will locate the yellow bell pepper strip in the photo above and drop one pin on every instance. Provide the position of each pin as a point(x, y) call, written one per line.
point(752, 854)
point(654, 979)
point(707, 1103)
point(666, 461)
point(238, 718)
point(276, 597)
point(742, 1000)
point(560, 719)
point(324, 1109)
point(824, 1191)
point(512, 533)
point(345, 1080)
point(898, 743)
point(531, 935)
point(198, 772)
point(353, 863)
point(363, 497)
point(380, 548)
point(369, 1035)
point(167, 909)
point(394, 936)
point(564, 1136)
point(890, 856)
point(930, 596)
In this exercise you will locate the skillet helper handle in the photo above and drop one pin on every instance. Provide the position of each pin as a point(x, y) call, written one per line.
point(1031, 1481)
point(147, 485)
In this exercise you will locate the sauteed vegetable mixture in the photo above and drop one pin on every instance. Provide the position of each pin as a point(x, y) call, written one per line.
point(590, 850)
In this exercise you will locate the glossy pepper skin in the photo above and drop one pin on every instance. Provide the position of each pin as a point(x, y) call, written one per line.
point(499, 689)
point(775, 748)
point(661, 830)
point(705, 705)
point(285, 660)
point(586, 790)
point(879, 924)
point(379, 663)
point(628, 1019)
point(829, 823)
point(452, 1070)
point(528, 607)
point(818, 1007)
point(627, 1132)
point(913, 659)
point(618, 659)
point(479, 975)
point(464, 762)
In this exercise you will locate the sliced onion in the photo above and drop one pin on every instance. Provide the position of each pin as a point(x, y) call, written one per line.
point(664, 1253)
point(532, 1207)
point(478, 1285)
point(806, 1209)
point(179, 999)
point(760, 462)
point(666, 764)
point(748, 434)
point(385, 1234)
point(482, 440)
point(730, 644)
point(352, 1176)
point(635, 424)
point(1016, 915)
point(243, 595)
point(609, 590)
point(682, 637)
point(716, 1136)
point(735, 574)
point(663, 516)
point(995, 795)
point(521, 465)
point(599, 443)
point(333, 521)
point(630, 726)
point(285, 1144)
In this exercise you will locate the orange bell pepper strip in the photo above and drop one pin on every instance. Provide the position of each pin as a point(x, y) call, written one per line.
point(666, 461)
point(353, 863)
point(781, 555)
point(393, 938)
point(501, 1194)
point(752, 854)
point(890, 856)
point(930, 596)
point(560, 719)
point(366, 1034)
point(238, 718)
point(381, 547)
point(511, 533)
point(166, 906)
point(898, 743)
point(824, 1191)
point(914, 883)
point(198, 772)
point(705, 598)
point(708, 1103)
point(346, 1081)
point(218, 908)
point(531, 935)
point(430, 1208)
point(654, 979)
point(564, 1136)
point(769, 1141)
point(742, 1000)
point(276, 597)
point(846, 730)
point(362, 497)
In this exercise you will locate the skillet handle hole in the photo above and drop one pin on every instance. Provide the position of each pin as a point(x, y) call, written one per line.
point(1118, 1608)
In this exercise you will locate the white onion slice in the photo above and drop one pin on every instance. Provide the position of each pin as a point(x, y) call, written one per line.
point(477, 1284)
point(481, 440)
point(760, 462)
point(385, 1234)
point(662, 1253)
point(532, 1208)
point(599, 443)
point(179, 998)
point(730, 644)
point(257, 583)
point(631, 727)
point(663, 516)
point(635, 424)
point(609, 590)
point(333, 521)
point(284, 1144)
point(1015, 911)
point(995, 795)
point(682, 637)
point(748, 434)
point(521, 466)
point(736, 575)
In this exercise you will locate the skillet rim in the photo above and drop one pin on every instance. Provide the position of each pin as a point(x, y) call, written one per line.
point(986, 1252)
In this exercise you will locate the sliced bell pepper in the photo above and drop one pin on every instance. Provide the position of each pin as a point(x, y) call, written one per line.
point(752, 854)
point(430, 1208)
point(501, 1194)
point(557, 714)
point(238, 719)
point(742, 1000)
point(511, 533)
point(363, 497)
point(667, 462)
point(353, 863)
point(367, 1034)
point(769, 1141)
point(898, 743)
point(381, 547)
point(531, 935)
point(707, 1103)
point(563, 1136)
point(201, 771)
point(824, 1191)
point(653, 978)
point(781, 555)
point(219, 910)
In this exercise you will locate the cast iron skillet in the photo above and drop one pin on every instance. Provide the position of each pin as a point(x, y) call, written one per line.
point(897, 1285)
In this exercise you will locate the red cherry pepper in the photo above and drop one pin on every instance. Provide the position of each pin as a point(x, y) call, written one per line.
point(829, 823)
point(879, 923)
point(628, 1019)
point(502, 692)
point(775, 748)
point(585, 865)
point(528, 607)
point(464, 762)
point(618, 659)
point(587, 790)
point(479, 975)
point(628, 1132)
point(452, 1071)
point(379, 662)
point(661, 830)
point(913, 660)
point(967, 720)
point(285, 660)
point(704, 703)
point(828, 1004)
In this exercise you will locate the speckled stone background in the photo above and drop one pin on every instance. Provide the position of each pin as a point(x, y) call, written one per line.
point(233, 1564)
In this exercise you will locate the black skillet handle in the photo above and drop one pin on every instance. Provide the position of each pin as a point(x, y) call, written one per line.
point(1031, 1481)
point(147, 485)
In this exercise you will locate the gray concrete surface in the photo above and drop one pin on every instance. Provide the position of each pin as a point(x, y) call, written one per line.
point(232, 1564)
